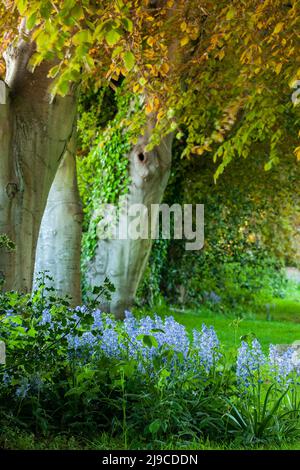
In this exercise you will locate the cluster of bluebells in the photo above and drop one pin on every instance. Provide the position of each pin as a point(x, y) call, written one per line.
point(125, 341)
point(253, 365)
point(281, 365)
point(207, 346)
point(250, 363)
point(200, 354)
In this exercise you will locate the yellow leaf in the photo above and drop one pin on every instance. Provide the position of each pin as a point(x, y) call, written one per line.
point(165, 68)
point(278, 68)
point(278, 28)
point(221, 54)
point(297, 153)
point(160, 115)
point(183, 26)
point(184, 40)
point(150, 41)
point(156, 102)
point(198, 150)
point(149, 107)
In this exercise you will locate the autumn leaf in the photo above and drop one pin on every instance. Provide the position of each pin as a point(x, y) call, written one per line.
point(297, 153)
point(184, 40)
point(278, 28)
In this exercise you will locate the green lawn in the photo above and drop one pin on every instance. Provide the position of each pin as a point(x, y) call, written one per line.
point(272, 321)
point(230, 330)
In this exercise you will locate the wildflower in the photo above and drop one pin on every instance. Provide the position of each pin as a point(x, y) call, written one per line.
point(281, 364)
point(207, 345)
point(250, 361)
point(22, 390)
point(46, 317)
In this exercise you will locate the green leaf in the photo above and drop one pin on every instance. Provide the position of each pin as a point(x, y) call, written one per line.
point(31, 21)
point(112, 37)
point(82, 37)
point(154, 426)
point(22, 5)
point(268, 165)
point(128, 25)
point(77, 12)
point(148, 340)
point(116, 51)
point(45, 10)
point(230, 14)
point(53, 71)
point(97, 289)
point(129, 60)
point(63, 87)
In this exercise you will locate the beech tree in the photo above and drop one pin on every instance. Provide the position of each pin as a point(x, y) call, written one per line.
point(233, 52)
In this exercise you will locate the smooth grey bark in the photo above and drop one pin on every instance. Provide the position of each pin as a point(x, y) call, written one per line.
point(59, 243)
point(34, 130)
point(124, 261)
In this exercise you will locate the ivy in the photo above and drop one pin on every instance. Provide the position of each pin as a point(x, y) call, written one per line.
point(6, 243)
point(103, 172)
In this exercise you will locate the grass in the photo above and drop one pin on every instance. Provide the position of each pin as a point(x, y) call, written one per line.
point(14, 439)
point(274, 320)
point(230, 330)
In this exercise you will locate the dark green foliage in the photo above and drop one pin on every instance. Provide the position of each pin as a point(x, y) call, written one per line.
point(251, 219)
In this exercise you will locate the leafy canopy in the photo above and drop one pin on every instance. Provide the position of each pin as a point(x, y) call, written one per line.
point(202, 66)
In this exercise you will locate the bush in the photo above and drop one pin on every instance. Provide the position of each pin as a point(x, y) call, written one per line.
point(79, 370)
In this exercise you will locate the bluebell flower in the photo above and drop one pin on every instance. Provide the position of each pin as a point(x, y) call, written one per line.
point(250, 361)
point(22, 390)
point(207, 346)
point(46, 317)
point(281, 365)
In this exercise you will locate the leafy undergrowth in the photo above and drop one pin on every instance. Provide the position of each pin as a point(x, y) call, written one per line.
point(204, 381)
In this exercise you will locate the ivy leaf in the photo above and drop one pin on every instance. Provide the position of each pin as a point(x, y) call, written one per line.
point(63, 87)
point(129, 60)
point(54, 71)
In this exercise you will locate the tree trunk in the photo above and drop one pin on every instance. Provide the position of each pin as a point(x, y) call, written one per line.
point(34, 133)
point(59, 244)
point(123, 261)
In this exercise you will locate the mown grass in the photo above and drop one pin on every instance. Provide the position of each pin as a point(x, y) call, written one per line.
point(275, 321)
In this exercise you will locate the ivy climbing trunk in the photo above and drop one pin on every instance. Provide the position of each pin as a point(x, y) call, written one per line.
point(123, 261)
point(35, 130)
point(59, 244)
